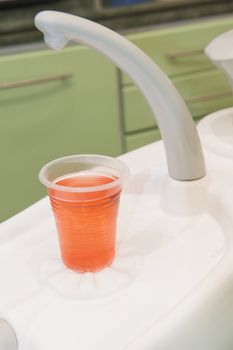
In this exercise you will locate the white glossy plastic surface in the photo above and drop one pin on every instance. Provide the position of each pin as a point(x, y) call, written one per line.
point(220, 51)
point(216, 132)
point(220, 48)
point(174, 264)
point(183, 150)
point(171, 285)
point(8, 339)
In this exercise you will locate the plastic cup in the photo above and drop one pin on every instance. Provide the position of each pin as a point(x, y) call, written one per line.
point(84, 192)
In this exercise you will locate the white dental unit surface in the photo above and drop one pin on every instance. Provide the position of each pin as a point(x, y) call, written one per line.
point(170, 286)
point(216, 132)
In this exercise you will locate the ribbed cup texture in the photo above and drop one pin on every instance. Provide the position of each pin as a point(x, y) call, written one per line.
point(86, 222)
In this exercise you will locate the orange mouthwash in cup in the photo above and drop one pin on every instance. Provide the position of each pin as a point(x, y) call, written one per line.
point(86, 220)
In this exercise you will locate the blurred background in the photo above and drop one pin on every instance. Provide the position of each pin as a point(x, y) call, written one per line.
point(16, 16)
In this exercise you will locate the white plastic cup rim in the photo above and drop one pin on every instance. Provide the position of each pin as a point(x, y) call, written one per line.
point(99, 160)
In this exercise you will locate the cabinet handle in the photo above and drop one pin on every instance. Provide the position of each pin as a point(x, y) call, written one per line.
point(210, 97)
point(23, 83)
point(184, 53)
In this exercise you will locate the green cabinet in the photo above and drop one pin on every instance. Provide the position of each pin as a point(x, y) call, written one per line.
point(179, 50)
point(136, 140)
point(51, 105)
point(211, 94)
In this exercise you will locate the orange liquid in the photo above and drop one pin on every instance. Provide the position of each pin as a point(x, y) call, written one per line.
point(86, 222)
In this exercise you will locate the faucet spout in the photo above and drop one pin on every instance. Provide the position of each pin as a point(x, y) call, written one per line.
point(182, 145)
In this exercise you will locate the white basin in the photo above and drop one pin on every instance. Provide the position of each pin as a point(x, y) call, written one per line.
point(170, 287)
point(216, 132)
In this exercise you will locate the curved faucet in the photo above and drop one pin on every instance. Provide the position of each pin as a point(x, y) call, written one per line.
point(182, 145)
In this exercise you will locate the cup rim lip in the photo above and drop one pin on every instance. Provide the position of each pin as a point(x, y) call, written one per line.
point(123, 169)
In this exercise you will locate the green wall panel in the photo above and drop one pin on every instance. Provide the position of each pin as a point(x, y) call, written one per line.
point(42, 122)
